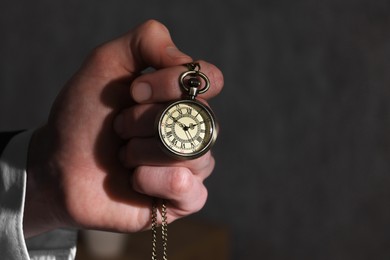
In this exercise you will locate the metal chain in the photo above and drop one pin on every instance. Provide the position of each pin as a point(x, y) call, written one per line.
point(194, 66)
point(154, 230)
point(164, 229)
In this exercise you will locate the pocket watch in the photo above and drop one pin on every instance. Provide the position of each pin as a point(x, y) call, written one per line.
point(187, 128)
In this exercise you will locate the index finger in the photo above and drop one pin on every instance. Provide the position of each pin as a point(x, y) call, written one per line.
point(148, 45)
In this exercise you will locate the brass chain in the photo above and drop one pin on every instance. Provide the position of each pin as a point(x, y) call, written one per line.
point(193, 72)
point(164, 229)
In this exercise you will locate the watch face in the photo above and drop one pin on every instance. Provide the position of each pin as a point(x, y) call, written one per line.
point(187, 129)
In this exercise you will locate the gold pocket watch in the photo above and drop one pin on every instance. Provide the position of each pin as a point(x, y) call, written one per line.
point(187, 128)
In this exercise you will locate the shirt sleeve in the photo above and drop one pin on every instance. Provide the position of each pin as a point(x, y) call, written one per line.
point(55, 245)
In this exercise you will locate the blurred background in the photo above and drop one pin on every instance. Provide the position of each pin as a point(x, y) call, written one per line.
point(303, 156)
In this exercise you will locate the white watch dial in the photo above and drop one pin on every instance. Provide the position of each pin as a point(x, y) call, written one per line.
point(187, 128)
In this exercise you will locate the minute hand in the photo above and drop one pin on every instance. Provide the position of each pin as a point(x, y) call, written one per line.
point(189, 137)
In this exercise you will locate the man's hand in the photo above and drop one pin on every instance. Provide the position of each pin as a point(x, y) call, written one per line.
point(96, 163)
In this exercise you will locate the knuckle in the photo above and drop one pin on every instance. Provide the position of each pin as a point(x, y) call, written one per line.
point(197, 202)
point(148, 30)
point(145, 42)
point(201, 201)
point(102, 59)
point(153, 25)
point(180, 181)
point(100, 54)
point(204, 165)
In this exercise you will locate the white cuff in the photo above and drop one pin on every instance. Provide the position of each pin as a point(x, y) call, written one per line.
point(59, 244)
point(55, 245)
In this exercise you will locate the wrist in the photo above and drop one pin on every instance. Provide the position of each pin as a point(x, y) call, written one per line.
point(41, 212)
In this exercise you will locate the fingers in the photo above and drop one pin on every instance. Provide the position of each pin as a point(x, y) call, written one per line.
point(137, 121)
point(147, 151)
point(185, 191)
point(163, 85)
point(154, 173)
point(148, 45)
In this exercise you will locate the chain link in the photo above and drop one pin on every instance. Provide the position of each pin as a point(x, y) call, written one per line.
point(194, 66)
point(164, 229)
point(154, 230)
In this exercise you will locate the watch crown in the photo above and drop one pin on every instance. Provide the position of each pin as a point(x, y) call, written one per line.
point(194, 84)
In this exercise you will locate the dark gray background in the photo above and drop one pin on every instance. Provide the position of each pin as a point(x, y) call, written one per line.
point(303, 155)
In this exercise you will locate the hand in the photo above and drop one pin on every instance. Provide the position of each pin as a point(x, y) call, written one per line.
point(95, 163)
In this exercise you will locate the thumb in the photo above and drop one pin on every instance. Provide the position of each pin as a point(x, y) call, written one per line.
point(148, 45)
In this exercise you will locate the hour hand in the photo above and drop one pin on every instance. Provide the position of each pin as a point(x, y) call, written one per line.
point(179, 123)
point(192, 126)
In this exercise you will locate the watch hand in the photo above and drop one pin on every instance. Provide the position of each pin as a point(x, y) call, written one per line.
point(192, 126)
point(192, 139)
point(185, 128)
point(188, 136)
point(179, 123)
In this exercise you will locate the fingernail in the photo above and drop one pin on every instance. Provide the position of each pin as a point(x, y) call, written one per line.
point(118, 124)
point(142, 92)
point(173, 52)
